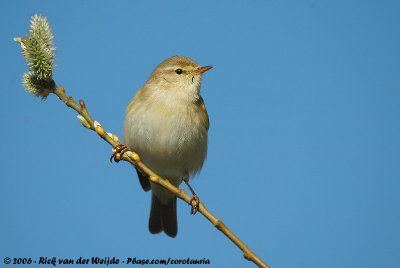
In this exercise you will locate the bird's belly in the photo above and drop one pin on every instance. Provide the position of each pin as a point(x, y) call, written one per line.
point(172, 145)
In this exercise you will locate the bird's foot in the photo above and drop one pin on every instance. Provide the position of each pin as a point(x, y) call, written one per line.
point(118, 152)
point(195, 203)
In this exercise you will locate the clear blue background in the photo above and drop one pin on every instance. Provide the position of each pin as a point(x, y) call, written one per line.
point(304, 104)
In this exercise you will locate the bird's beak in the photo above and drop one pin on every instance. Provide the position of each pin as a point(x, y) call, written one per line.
point(202, 69)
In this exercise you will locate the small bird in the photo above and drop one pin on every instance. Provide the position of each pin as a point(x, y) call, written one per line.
point(167, 123)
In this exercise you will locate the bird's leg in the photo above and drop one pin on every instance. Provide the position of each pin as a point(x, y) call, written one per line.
point(118, 152)
point(194, 201)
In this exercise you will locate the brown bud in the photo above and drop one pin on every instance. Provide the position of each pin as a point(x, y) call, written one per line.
point(69, 99)
point(82, 104)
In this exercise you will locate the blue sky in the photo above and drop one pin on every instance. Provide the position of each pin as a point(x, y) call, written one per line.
point(304, 148)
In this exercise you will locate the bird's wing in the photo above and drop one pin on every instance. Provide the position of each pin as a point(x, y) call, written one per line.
point(144, 180)
point(204, 114)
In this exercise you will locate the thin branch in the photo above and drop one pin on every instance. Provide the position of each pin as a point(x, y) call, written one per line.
point(134, 159)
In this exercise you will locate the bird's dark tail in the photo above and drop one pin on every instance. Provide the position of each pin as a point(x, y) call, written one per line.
point(163, 217)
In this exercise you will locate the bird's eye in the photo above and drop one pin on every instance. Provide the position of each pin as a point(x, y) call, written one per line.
point(178, 71)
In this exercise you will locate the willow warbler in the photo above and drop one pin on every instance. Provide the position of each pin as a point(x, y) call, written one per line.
point(166, 123)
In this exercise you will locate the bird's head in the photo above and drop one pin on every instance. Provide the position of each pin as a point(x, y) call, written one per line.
point(178, 75)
